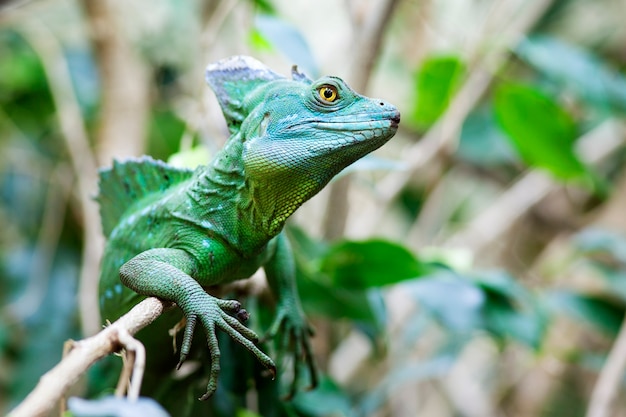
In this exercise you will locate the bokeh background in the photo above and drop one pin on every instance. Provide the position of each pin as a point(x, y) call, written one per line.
point(473, 266)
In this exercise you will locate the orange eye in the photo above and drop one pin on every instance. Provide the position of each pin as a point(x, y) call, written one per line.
point(328, 93)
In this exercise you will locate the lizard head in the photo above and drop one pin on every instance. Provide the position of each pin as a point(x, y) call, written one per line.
point(298, 134)
point(312, 129)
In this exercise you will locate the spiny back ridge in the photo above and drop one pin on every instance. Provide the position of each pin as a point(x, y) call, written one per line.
point(129, 181)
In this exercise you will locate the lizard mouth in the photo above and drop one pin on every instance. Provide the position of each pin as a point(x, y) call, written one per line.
point(387, 121)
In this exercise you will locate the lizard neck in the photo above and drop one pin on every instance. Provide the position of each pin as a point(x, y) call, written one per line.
point(223, 191)
point(277, 198)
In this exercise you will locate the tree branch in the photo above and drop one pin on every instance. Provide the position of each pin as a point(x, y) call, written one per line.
point(125, 84)
point(84, 353)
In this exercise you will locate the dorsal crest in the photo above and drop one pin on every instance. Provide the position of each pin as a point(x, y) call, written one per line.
point(129, 181)
point(232, 79)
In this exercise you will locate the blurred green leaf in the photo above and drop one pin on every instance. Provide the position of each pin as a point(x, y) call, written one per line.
point(19, 65)
point(322, 299)
point(305, 248)
point(84, 74)
point(264, 6)
point(594, 241)
point(541, 131)
point(165, 132)
point(246, 413)
point(576, 69)
point(452, 300)
point(258, 41)
point(603, 313)
point(287, 39)
point(190, 158)
point(371, 263)
point(436, 82)
point(115, 407)
point(482, 142)
point(606, 251)
point(327, 400)
point(510, 311)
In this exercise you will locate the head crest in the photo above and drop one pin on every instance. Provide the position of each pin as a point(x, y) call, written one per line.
point(232, 79)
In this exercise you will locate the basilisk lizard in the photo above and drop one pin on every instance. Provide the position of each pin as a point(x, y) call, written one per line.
point(171, 232)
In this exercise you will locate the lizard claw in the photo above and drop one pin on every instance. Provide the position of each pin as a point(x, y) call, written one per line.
point(295, 338)
point(213, 314)
point(242, 315)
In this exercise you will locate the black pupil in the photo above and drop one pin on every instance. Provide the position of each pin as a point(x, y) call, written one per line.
point(328, 93)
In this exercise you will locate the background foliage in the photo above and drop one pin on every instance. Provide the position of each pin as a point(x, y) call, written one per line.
point(482, 268)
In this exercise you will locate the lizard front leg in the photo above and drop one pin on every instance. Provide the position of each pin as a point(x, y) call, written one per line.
point(290, 319)
point(167, 274)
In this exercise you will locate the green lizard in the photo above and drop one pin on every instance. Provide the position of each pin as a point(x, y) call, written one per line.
point(171, 232)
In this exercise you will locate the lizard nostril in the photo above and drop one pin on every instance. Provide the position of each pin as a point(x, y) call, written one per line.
point(381, 103)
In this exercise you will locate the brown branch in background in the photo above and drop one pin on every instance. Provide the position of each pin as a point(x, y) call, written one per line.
point(125, 84)
point(367, 42)
point(84, 353)
point(83, 163)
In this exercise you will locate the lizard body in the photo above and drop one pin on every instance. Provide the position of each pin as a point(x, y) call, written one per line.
point(171, 232)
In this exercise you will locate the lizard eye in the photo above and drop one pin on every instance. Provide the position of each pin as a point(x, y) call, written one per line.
point(327, 93)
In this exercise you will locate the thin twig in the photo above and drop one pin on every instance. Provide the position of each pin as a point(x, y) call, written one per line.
point(135, 364)
point(84, 353)
point(125, 88)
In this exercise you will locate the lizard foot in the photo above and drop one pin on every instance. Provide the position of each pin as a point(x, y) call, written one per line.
point(296, 333)
point(213, 313)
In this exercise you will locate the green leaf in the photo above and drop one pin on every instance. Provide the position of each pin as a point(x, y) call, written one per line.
point(453, 301)
point(372, 263)
point(575, 69)
point(600, 312)
point(541, 131)
point(436, 82)
point(190, 158)
point(607, 243)
point(322, 299)
point(287, 39)
point(114, 406)
point(258, 41)
point(483, 143)
point(166, 129)
point(510, 311)
point(246, 413)
point(328, 399)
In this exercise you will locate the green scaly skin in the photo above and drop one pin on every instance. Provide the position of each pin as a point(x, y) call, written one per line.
point(172, 232)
